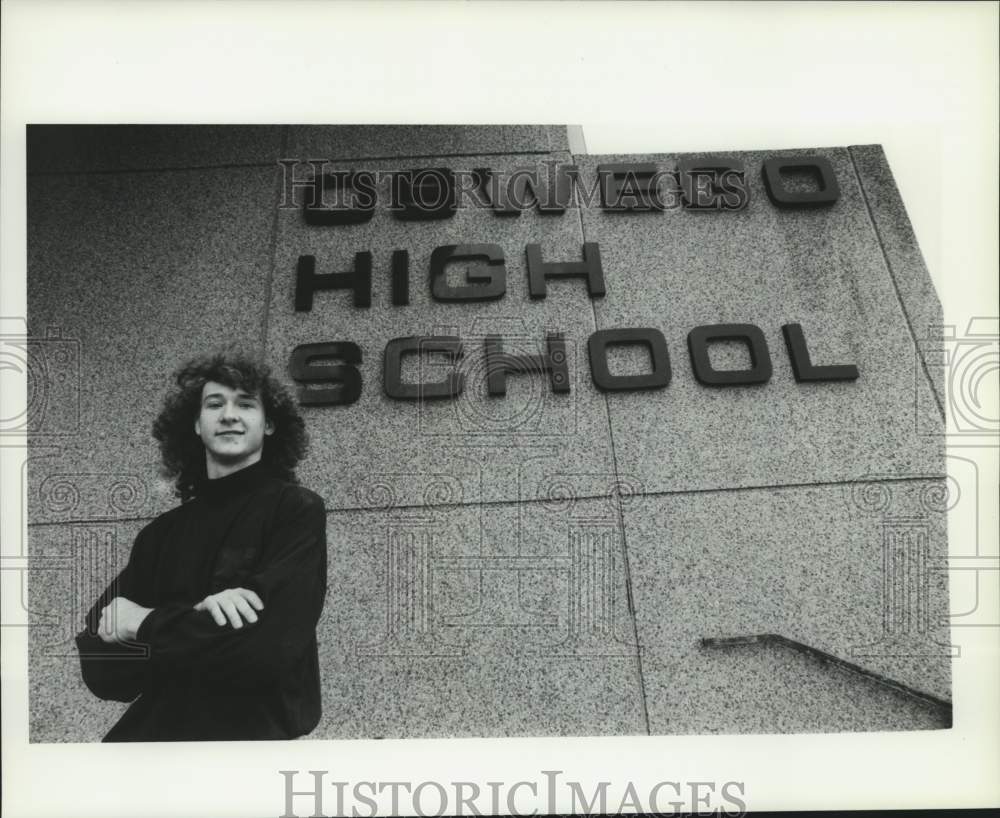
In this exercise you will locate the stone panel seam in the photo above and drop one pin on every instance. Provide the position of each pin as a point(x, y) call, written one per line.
point(895, 286)
point(860, 480)
point(392, 157)
point(92, 521)
point(621, 526)
point(273, 254)
point(178, 168)
point(237, 165)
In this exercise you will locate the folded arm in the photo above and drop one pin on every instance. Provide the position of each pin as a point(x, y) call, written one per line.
point(290, 584)
point(113, 665)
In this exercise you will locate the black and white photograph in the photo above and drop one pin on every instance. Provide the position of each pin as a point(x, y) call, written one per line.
point(425, 437)
point(576, 423)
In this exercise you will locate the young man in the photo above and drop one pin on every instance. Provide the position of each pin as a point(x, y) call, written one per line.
point(210, 630)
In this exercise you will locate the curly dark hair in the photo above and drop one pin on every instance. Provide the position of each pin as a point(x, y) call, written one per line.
point(182, 450)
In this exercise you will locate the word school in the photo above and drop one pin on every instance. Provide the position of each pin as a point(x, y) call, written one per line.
point(341, 383)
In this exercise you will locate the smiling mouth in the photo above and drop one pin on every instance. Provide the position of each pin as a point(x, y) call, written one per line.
point(227, 434)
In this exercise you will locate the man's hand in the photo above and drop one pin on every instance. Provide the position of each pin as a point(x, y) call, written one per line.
point(120, 620)
point(232, 604)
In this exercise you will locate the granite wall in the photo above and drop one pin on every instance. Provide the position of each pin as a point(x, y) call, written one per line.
point(540, 563)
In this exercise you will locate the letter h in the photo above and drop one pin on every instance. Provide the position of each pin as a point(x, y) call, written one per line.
point(308, 281)
point(499, 364)
point(316, 792)
point(590, 269)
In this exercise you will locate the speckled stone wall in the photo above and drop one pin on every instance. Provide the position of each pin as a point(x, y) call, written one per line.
point(537, 564)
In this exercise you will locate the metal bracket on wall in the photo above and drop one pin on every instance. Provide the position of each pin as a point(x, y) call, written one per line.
point(942, 705)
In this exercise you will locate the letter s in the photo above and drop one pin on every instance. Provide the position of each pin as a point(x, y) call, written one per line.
point(739, 803)
point(344, 379)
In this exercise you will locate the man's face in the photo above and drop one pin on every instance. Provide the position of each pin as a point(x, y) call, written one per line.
point(232, 425)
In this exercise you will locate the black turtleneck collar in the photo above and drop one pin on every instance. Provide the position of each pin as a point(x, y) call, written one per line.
point(237, 483)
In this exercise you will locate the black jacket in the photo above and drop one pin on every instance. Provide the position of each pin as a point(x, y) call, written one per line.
point(190, 678)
